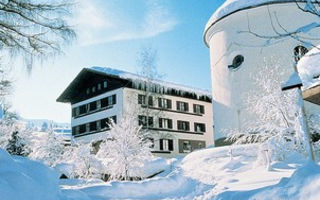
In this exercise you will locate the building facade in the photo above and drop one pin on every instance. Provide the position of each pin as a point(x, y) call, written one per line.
point(245, 35)
point(178, 118)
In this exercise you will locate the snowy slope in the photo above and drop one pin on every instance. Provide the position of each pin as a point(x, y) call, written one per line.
point(212, 174)
point(205, 174)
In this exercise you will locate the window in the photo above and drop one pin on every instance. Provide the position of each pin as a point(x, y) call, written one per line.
point(299, 52)
point(186, 147)
point(105, 84)
point(93, 106)
point(141, 99)
point(99, 86)
point(183, 125)
point(165, 103)
point(150, 101)
point(88, 91)
point(165, 123)
point(93, 89)
point(151, 140)
point(108, 101)
point(74, 110)
point(237, 62)
point(104, 124)
point(198, 109)
point(166, 145)
point(82, 128)
point(199, 127)
point(182, 106)
point(143, 121)
point(82, 109)
point(93, 126)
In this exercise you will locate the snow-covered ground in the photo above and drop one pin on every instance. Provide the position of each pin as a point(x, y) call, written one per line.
point(206, 174)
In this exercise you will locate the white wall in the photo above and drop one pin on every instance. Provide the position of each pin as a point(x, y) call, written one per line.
point(131, 104)
point(226, 42)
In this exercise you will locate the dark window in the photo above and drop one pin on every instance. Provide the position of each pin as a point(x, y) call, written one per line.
point(164, 103)
point(88, 91)
point(104, 124)
point(93, 89)
point(93, 126)
point(150, 101)
point(74, 130)
point(199, 109)
point(183, 125)
point(166, 145)
point(182, 106)
point(105, 84)
point(99, 86)
point(151, 140)
point(82, 109)
point(104, 102)
point(74, 112)
point(141, 99)
point(165, 123)
point(93, 106)
point(82, 128)
point(199, 127)
point(143, 121)
point(237, 61)
point(299, 52)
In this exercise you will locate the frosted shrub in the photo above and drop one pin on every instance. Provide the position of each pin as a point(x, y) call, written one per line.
point(125, 151)
point(277, 116)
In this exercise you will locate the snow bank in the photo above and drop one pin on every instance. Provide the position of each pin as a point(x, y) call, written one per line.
point(309, 68)
point(21, 178)
point(304, 184)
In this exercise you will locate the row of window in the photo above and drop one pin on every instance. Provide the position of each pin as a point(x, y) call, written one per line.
point(167, 104)
point(185, 146)
point(99, 125)
point(94, 106)
point(167, 124)
point(97, 87)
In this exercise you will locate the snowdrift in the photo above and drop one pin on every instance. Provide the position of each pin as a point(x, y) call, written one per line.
point(21, 178)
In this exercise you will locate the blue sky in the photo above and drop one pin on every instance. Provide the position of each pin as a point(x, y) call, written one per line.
point(111, 33)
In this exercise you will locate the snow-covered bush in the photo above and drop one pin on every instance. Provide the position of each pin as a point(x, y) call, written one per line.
point(125, 151)
point(46, 147)
point(277, 116)
point(83, 161)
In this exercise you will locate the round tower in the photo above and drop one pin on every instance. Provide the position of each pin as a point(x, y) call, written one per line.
point(242, 35)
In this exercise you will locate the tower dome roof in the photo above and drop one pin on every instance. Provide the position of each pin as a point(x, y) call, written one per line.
point(232, 6)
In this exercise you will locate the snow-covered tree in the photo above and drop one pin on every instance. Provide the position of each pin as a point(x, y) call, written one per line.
point(125, 151)
point(84, 161)
point(276, 114)
point(46, 147)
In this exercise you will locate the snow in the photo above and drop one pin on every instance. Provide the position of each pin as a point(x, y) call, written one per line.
point(162, 86)
point(214, 173)
point(231, 6)
point(21, 178)
point(309, 68)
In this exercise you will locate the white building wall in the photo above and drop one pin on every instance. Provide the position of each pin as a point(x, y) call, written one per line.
point(226, 42)
point(131, 104)
point(116, 110)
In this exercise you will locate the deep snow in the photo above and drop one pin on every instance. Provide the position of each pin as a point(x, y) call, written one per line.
point(214, 173)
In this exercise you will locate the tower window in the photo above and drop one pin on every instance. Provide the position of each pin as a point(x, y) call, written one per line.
point(299, 52)
point(237, 62)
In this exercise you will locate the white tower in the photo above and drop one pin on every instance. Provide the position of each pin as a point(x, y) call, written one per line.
point(235, 35)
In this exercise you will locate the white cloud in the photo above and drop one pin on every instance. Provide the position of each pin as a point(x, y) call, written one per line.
point(100, 22)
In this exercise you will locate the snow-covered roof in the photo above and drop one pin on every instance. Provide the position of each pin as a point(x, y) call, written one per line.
point(136, 79)
point(232, 6)
point(309, 68)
